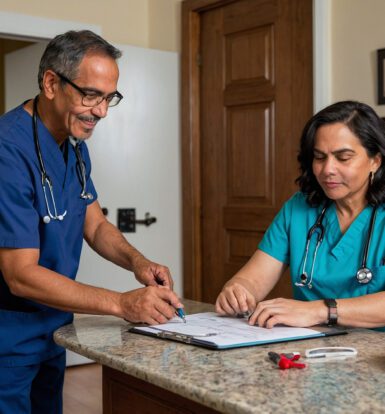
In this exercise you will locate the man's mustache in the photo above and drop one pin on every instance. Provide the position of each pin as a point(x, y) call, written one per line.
point(94, 119)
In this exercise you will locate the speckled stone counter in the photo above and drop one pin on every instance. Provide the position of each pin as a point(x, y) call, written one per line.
point(241, 380)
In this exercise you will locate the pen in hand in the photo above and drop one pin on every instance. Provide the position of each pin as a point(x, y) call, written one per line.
point(179, 311)
point(181, 314)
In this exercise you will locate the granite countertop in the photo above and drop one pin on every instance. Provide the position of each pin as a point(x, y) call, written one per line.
point(240, 380)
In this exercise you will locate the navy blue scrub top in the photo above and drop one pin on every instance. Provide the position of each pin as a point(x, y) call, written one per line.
point(26, 327)
point(339, 255)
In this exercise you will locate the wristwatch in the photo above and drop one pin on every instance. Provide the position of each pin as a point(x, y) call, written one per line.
point(332, 308)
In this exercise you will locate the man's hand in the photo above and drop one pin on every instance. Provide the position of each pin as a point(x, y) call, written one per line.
point(151, 274)
point(152, 305)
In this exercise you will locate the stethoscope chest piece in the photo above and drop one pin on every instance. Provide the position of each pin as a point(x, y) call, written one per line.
point(304, 281)
point(364, 275)
point(60, 217)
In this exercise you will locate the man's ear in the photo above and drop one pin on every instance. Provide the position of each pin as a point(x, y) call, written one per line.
point(50, 84)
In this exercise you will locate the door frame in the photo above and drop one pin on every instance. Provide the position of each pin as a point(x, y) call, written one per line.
point(191, 135)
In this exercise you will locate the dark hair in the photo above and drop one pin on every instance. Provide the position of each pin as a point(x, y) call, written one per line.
point(65, 52)
point(365, 124)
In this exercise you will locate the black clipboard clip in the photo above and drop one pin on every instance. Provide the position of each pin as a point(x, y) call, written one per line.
point(187, 339)
point(174, 336)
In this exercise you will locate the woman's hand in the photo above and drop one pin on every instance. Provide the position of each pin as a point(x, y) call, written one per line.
point(290, 312)
point(235, 299)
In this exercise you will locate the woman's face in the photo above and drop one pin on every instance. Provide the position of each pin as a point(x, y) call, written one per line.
point(341, 164)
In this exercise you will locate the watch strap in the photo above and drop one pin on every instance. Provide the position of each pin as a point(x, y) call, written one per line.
point(332, 311)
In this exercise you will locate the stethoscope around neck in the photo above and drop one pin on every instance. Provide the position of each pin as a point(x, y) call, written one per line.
point(46, 180)
point(364, 274)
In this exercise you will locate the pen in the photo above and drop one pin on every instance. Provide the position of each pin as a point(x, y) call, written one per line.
point(179, 311)
point(243, 315)
point(181, 314)
point(286, 361)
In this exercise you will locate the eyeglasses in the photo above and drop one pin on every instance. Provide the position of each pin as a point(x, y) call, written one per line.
point(93, 98)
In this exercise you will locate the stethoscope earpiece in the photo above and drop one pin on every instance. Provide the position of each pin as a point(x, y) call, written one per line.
point(86, 196)
point(46, 219)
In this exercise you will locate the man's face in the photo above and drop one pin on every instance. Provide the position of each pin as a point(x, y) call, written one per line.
point(97, 74)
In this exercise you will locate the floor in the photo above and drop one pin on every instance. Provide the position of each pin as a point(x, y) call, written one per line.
point(83, 390)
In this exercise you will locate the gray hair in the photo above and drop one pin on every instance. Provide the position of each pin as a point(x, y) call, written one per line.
point(65, 52)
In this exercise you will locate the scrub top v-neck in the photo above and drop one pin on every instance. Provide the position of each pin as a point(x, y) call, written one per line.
point(339, 255)
point(27, 325)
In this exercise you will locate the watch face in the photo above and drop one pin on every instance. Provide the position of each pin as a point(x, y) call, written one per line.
point(332, 307)
point(331, 303)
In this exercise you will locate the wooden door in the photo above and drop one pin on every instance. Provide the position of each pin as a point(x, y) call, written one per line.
point(248, 99)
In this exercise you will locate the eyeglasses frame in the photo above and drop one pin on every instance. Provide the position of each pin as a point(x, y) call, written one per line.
point(84, 94)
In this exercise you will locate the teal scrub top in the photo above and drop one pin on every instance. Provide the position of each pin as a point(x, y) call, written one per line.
point(339, 255)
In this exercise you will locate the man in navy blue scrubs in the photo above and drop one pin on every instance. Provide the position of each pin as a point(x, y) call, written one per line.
point(48, 204)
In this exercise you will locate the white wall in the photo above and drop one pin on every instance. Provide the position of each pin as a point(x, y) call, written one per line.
point(136, 159)
point(21, 84)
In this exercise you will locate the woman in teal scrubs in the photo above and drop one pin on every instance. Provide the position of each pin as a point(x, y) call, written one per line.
point(337, 267)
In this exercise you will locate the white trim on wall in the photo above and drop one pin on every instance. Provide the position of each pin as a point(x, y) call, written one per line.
point(31, 27)
point(321, 53)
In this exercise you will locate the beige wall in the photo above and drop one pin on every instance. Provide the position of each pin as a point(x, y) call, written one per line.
point(146, 23)
point(357, 31)
point(165, 24)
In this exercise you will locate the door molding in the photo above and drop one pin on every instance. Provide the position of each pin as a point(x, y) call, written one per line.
point(26, 27)
point(191, 143)
point(191, 160)
point(322, 59)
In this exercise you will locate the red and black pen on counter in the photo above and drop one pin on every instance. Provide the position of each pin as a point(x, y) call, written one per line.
point(286, 361)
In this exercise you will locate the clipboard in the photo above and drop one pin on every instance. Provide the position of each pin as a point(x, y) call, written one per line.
point(225, 332)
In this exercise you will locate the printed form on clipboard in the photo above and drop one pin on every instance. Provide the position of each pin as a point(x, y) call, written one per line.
point(224, 332)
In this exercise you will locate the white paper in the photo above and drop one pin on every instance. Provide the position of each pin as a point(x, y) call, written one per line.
point(226, 331)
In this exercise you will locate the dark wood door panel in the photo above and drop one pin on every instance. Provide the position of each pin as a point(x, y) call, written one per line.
point(249, 56)
point(249, 99)
point(248, 218)
point(249, 14)
point(249, 155)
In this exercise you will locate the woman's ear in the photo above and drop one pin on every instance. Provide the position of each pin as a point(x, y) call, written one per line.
point(376, 162)
point(50, 84)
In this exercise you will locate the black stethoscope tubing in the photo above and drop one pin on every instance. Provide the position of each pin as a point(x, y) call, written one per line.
point(45, 179)
point(364, 274)
point(44, 175)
